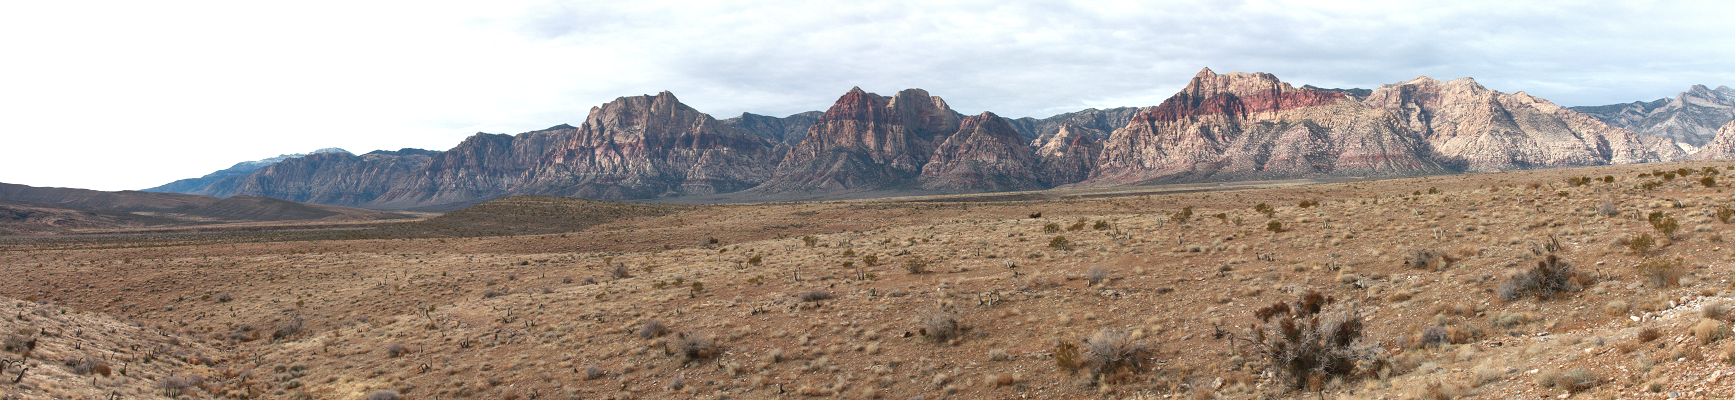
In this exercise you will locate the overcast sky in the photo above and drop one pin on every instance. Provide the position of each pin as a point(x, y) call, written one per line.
point(133, 94)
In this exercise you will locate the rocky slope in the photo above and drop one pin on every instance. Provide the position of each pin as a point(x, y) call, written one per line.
point(651, 146)
point(484, 166)
point(1721, 146)
point(866, 141)
point(986, 154)
point(1069, 155)
point(1104, 121)
point(787, 130)
point(191, 185)
point(1471, 128)
point(1241, 126)
point(340, 179)
point(1691, 117)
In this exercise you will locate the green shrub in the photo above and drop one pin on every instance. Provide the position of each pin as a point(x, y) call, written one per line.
point(1708, 181)
point(1059, 243)
point(1274, 226)
point(1661, 273)
point(916, 265)
point(1641, 244)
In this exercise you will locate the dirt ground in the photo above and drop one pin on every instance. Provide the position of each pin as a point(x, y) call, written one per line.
point(1131, 296)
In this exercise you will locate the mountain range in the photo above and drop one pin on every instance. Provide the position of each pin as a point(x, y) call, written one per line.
point(1220, 127)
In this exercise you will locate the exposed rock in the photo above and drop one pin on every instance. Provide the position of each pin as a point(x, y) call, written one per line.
point(651, 146)
point(340, 179)
point(787, 130)
point(1102, 121)
point(1691, 117)
point(1069, 155)
point(866, 141)
point(195, 185)
point(1241, 126)
point(986, 154)
point(1471, 128)
point(484, 166)
point(1721, 146)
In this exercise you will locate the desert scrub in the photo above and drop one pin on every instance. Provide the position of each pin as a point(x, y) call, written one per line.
point(1274, 226)
point(1574, 381)
point(1110, 352)
point(916, 265)
point(1549, 277)
point(1304, 342)
point(1059, 243)
point(815, 295)
point(1641, 244)
point(1428, 259)
point(941, 326)
point(693, 346)
point(1066, 355)
point(652, 328)
point(1097, 275)
point(1182, 216)
point(1661, 273)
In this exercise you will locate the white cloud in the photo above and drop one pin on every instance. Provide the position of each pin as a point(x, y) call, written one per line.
point(133, 94)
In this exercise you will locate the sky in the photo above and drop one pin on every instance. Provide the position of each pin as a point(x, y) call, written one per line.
point(129, 94)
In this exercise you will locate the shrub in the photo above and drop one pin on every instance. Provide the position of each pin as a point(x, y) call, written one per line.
point(1435, 335)
point(1708, 181)
point(383, 395)
point(1641, 244)
point(1110, 351)
point(592, 372)
point(1302, 341)
point(1428, 259)
point(1648, 334)
point(693, 346)
point(1574, 381)
point(1661, 273)
point(1274, 226)
point(1311, 203)
point(916, 265)
point(755, 259)
point(1097, 274)
point(620, 271)
point(395, 349)
point(1550, 276)
point(1100, 225)
point(941, 326)
point(1066, 355)
point(1059, 243)
point(1266, 209)
point(1608, 208)
point(810, 241)
point(1051, 228)
point(815, 295)
point(652, 328)
point(1709, 330)
point(1667, 226)
point(1182, 216)
point(870, 260)
point(1724, 213)
point(1077, 225)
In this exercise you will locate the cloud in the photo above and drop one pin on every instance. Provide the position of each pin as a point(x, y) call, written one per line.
point(129, 94)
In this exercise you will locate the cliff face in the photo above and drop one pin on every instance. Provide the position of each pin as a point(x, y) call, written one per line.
point(867, 141)
point(1069, 155)
point(986, 154)
point(340, 179)
point(651, 146)
point(1473, 129)
point(786, 131)
point(483, 166)
point(1721, 146)
point(1691, 117)
point(1104, 121)
point(1242, 126)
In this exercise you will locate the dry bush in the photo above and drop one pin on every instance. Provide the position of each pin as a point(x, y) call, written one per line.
point(383, 395)
point(1111, 351)
point(693, 346)
point(1648, 334)
point(1709, 330)
point(1574, 381)
point(1717, 310)
point(1549, 277)
point(1661, 273)
point(1097, 275)
point(1059, 243)
point(1641, 244)
point(1303, 342)
point(652, 328)
point(1428, 259)
point(815, 295)
point(1066, 355)
point(620, 271)
point(916, 265)
point(941, 326)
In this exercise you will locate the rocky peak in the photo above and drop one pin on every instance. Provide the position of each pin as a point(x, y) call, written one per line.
point(867, 141)
point(1069, 156)
point(1237, 95)
point(986, 154)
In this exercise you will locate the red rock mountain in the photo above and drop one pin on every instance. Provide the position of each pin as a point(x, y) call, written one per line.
point(1242, 126)
point(1220, 127)
point(651, 146)
point(1473, 129)
point(985, 154)
point(1721, 146)
point(866, 141)
point(482, 167)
